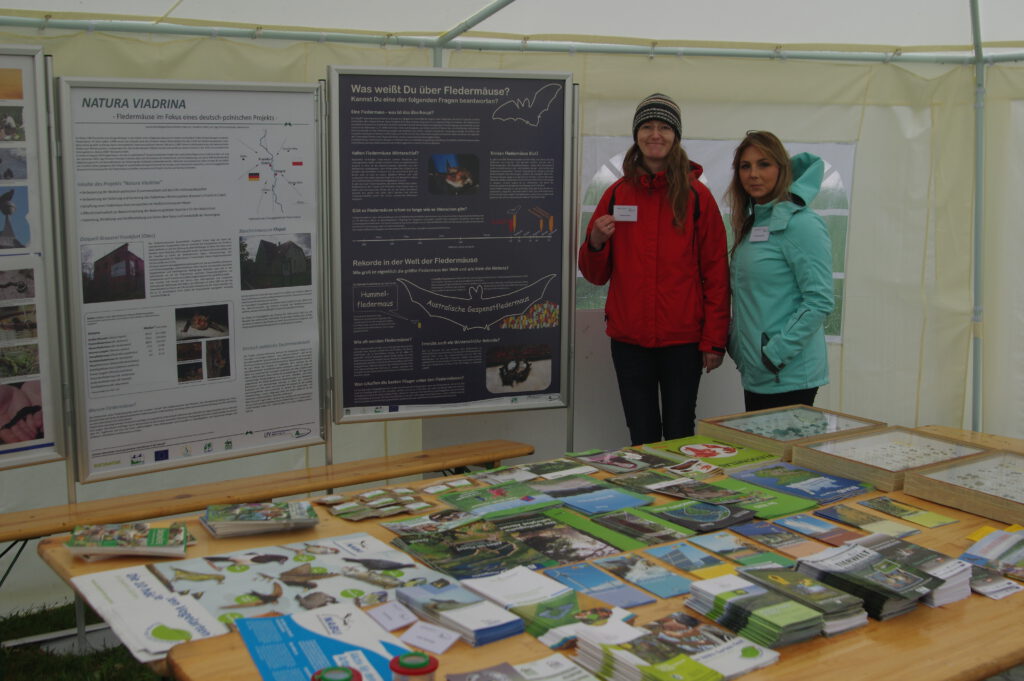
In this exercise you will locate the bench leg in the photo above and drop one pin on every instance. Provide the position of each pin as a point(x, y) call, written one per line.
point(21, 544)
point(81, 640)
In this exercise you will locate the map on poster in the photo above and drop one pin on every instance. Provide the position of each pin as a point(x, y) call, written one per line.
point(195, 228)
point(452, 197)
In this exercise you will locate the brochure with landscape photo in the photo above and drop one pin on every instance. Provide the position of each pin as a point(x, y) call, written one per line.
point(589, 495)
point(778, 538)
point(819, 529)
point(624, 460)
point(589, 579)
point(473, 549)
point(697, 562)
point(913, 514)
point(643, 528)
point(853, 516)
point(802, 482)
point(548, 536)
point(729, 546)
point(509, 496)
point(766, 503)
point(636, 569)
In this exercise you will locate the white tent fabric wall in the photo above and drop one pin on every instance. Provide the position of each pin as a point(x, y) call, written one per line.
point(905, 358)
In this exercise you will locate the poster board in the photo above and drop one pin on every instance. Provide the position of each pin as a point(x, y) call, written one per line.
point(31, 423)
point(452, 230)
point(193, 253)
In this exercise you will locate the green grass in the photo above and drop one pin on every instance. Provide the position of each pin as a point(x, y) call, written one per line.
point(32, 663)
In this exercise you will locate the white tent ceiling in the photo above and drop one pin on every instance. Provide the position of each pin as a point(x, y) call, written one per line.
point(938, 26)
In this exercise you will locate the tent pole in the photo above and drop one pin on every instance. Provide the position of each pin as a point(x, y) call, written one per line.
point(979, 214)
point(492, 45)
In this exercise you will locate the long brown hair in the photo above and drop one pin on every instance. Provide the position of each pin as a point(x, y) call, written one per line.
point(742, 217)
point(677, 173)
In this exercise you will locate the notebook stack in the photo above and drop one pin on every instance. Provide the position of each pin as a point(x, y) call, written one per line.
point(754, 612)
point(887, 586)
point(840, 611)
point(448, 604)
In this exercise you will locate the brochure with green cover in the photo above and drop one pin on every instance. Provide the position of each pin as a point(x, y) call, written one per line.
point(641, 527)
point(766, 503)
point(722, 454)
point(514, 495)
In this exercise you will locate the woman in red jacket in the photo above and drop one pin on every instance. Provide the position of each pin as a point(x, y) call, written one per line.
point(657, 237)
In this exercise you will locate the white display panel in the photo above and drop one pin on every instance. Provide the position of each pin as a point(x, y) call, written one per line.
point(193, 259)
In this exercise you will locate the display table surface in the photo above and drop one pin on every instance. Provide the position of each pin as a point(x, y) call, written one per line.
point(971, 639)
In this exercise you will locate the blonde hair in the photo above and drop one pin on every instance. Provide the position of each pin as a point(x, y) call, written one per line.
point(742, 217)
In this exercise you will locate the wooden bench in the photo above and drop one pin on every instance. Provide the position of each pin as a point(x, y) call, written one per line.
point(42, 522)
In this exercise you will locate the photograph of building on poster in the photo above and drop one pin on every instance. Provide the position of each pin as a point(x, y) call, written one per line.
point(452, 234)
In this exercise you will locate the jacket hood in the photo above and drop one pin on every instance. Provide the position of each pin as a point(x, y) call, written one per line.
point(808, 172)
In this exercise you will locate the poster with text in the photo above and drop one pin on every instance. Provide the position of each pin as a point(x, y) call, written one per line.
point(193, 257)
point(30, 426)
point(452, 229)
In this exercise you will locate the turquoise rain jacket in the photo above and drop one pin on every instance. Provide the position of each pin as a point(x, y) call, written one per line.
point(782, 291)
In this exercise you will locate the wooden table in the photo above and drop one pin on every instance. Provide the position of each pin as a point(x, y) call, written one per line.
point(971, 639)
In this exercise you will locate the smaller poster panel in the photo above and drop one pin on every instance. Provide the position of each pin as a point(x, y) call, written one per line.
point(30, 423)
point(193, 254)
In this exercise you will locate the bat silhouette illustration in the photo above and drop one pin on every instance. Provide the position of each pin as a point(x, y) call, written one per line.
point(476, 311)
point(528, 109)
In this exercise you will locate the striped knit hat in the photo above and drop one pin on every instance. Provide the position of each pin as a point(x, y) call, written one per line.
point(658, 107)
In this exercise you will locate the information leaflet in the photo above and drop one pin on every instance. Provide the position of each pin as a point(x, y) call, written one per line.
point(452, 213)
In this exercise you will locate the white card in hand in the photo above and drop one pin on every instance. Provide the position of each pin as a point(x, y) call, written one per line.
point(624, 213)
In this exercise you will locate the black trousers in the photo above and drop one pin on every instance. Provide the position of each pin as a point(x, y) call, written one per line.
point(757, 401)
point(658, 388)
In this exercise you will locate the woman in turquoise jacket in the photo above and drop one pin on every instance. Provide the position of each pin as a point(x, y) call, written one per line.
point(781, 274)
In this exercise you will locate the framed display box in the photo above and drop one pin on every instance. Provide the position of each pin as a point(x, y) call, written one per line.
point(778, 430)
point(880, 457)
point(990, 484)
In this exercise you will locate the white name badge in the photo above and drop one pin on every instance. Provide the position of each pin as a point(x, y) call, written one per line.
point(624, 213)
point(759, 233)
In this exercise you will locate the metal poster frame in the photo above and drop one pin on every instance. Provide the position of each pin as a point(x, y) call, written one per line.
point(451, 230)
point(31, 328)
point(208, 346)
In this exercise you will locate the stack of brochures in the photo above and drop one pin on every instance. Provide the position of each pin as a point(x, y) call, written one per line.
point(233, 520)
point(552, 612)
point(555, 667)
point(840, 611)
point(1000, 550)
point(449, 604)
point(756, 613)
point(128, 539)
point(887, 586)
point(677, 646)
point(621, 652)
point(954, 573)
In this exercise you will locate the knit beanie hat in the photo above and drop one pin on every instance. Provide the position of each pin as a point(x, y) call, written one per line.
point(658, 107)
